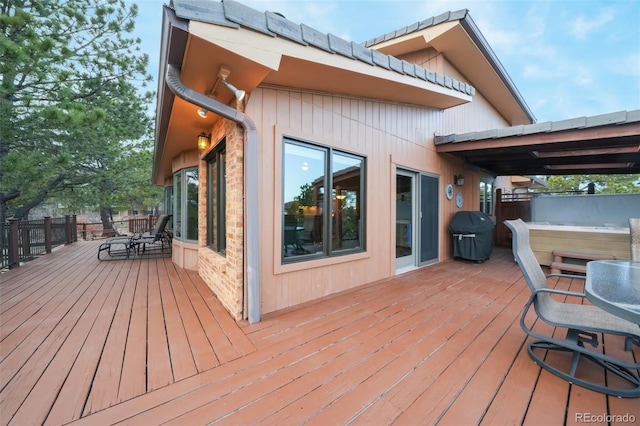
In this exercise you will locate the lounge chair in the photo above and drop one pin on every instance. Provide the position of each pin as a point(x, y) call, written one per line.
point(157, 239)
point(583, 324)
point(154, 242)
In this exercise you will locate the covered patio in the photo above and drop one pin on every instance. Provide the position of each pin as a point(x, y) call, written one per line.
point(144, 342)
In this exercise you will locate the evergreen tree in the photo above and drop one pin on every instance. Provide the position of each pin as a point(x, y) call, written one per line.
point(72, 98)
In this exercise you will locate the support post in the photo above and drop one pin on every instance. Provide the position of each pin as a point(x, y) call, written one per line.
point(47, 234)
point(67, 229)
point(14, 235)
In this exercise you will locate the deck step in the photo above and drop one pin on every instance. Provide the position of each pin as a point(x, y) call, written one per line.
point(558, 267)
point(560, 256)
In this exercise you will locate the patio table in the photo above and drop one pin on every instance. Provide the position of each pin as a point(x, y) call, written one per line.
point(614, 285)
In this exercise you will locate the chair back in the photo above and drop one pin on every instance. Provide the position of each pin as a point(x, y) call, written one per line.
point(634, 230)
point(161, 224)
point(527, 261)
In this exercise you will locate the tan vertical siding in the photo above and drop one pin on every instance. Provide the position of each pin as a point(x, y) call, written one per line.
point(389, 135)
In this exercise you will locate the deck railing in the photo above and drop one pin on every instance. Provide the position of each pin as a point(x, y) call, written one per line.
point(22, 241)
point(93, 230)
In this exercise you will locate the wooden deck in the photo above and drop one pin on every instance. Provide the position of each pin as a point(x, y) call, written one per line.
point(144, 342)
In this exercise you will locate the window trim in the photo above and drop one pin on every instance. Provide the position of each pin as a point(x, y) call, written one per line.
point(328, 253)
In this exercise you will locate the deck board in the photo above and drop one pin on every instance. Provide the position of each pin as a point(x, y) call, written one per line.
point(141, 341)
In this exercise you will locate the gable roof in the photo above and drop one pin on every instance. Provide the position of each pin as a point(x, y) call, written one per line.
point(462, 44)
point(601, 144)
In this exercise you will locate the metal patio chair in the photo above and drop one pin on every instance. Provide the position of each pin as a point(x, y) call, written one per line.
point(583, 324)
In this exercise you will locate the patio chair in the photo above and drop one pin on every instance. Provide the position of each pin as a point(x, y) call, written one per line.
point(583, 322)
point(634, 230)
point(157, 239)
point(116, 248)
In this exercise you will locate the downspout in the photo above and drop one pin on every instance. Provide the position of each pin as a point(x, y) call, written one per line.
point(252, 260)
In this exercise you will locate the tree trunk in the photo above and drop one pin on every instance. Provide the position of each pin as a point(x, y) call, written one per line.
point(23, 211)
point(108, 230)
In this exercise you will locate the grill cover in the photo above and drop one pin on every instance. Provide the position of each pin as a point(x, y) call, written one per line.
point(472, 235)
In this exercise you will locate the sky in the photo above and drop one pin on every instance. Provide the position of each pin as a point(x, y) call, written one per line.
point(568, 58)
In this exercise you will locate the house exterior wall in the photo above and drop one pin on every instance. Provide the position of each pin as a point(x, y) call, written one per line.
point(224, 274)
point(389, 136)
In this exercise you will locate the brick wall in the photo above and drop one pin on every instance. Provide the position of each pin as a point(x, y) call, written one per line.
point(225, 274)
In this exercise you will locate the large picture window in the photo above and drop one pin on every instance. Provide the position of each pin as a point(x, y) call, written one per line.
point(216, 199)
point(318, 222)
point(185, 210)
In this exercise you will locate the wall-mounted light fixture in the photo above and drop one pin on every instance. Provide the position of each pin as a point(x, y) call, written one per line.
point(458, 180)
point(203, 140)
point(239, 94)
point(223, 73)
point(202, 113)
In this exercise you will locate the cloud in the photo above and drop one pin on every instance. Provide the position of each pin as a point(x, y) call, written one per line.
point(582, 27)
point(628, 64)
point(582, 76)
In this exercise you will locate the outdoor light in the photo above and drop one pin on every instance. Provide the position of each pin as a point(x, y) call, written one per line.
point(203, 140)
point(458, 180)
point(239, 94)
point(202, 113)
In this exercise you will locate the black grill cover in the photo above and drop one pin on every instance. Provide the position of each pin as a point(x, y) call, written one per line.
point(472, 235)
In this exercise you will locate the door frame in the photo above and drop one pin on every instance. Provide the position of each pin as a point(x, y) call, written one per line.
point(414, 261)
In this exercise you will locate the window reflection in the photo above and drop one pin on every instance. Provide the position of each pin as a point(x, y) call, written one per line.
point(346, 201)
point(304, 176)
point(192, 205)
point(317, 223)
point(185, 214)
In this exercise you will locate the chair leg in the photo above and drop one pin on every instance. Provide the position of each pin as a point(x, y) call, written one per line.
point(631, 376)
point(629, 341)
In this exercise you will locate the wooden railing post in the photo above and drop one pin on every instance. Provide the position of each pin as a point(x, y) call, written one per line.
point(14, 235)
point(47, 234)
point(74, 228)
point(26, 238)
point(67, 229)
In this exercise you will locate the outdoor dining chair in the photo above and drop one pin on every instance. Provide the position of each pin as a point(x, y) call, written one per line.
point(583, 324)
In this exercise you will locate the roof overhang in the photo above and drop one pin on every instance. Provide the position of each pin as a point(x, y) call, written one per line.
point(200, 47)
point(465, 48)
point(277, 61)
point(606, 144)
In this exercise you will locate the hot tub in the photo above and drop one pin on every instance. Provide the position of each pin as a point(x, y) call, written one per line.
point(544, 238)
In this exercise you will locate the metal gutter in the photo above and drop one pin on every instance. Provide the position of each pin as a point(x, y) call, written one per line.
point(251, 237)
